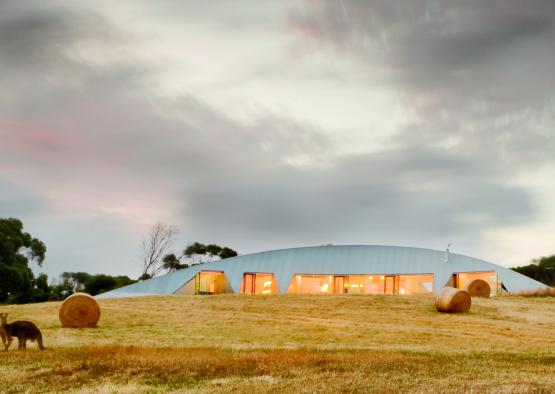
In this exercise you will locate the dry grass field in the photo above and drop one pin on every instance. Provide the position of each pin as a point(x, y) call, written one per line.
point(234, 343)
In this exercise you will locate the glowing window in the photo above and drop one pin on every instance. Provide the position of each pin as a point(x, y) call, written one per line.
point(259, 283)
point(362, 284)
point(209, 282)
point(463, 278)
point(366, 284)
point(311, 284)
point(416, 284)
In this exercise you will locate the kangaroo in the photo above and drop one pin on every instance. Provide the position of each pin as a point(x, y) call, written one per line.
point(3, 336)
point(23, 330)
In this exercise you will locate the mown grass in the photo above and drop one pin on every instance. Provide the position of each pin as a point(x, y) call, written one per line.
point(235, 343)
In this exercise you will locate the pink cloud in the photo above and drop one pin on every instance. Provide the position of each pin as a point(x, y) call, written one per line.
point(29, 139)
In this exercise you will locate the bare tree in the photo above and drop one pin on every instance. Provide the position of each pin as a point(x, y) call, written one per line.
point(154, 248)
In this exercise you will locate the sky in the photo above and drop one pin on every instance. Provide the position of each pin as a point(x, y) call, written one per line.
point(273, 124)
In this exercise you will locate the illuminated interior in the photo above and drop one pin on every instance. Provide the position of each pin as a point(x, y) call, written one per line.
point(311, 284)
point(462, 278)
point(361, 284)
point(366, 284)
point(416, 284)
point(209, 282)
point(259, 283)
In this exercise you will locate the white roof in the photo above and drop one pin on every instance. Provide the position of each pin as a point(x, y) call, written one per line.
point(333, 260)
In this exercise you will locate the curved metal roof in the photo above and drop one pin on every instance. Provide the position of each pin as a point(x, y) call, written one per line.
point(332, 259)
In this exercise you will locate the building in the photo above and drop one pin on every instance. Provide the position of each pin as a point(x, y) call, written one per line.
point(359, 269)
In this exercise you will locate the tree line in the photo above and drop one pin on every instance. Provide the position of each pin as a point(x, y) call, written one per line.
point(18, 283)
point(18, 249)
point(542, 270)
point(73, 282)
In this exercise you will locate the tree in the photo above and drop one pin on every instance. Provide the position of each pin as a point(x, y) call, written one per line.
point(155, 246)
point(197, 253)
point(77, 280)
point(41, 289)
point(227, 253)
point(60, 291)
point(542, 270)
point(17, 249)
point(93, 284)
point(172, 263)
point(101, 283)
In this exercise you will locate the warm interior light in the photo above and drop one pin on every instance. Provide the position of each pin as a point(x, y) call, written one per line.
point(370, 277)
point(324, 288)
point(268, 284)
point(402, 291)
point(382, 277)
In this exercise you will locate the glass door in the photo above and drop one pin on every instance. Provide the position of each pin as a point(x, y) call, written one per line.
point(259, 283)
point(339, 285)
point(209, 282)
point(248, 284)
point(389, 284)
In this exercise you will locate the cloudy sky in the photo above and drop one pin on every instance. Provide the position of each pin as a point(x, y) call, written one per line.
point(271, 124)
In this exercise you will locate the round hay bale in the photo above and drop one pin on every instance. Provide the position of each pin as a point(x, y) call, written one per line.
point(452, 300)
point(79, 310)
point(478, 288)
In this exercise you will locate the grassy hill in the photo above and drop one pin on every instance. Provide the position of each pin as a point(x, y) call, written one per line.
point(235, 343)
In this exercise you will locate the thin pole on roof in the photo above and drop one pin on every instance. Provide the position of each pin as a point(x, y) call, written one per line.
point(447, 254)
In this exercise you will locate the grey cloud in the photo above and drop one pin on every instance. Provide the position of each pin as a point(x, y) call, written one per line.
point(232, 185)
point(36, 35)
point(479, 73)
point(28, 38)
point(469, 48)
point(395, 194)
point(97, 130)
